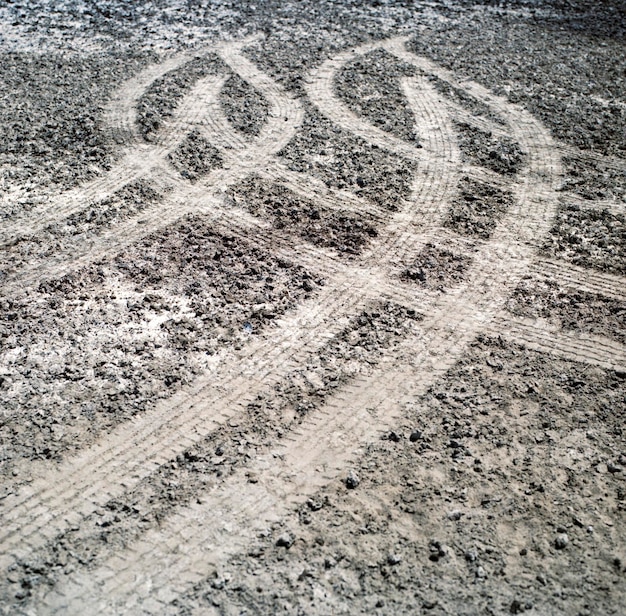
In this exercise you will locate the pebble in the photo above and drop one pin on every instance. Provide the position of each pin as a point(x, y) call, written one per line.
point(561, 541)
point(286, 540)
point(416, 435)
point(352, 480)
point(394, 559)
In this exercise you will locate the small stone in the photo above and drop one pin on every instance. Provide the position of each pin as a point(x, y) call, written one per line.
point(541, 578)
point(455, 515)
point(416, 435)
point(329, 563)
point(352, 480)
point(523, 552)
point(471, 555)
point(393, 436)
point(561, 541)
point(286, 540)
point(394, 559)
point(480, 573)
point(516, 607)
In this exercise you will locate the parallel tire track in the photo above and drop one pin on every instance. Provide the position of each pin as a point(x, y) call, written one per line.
point(317, 453)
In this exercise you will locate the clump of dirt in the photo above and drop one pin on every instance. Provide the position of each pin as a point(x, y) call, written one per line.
point(345, 161)
point(480, 496)
point(123, 204)
point(160, 100)
point(345, 232)
point(436, 268)
point(478, 208)
point(589, 237)
point(573, 310)
point(355, 350)
point(50, 107)
point(371, 86)
point(88, 351)
point(465, 99)
point(593, 179)
point(195, 157)
point(500, 154)
point(244, 106)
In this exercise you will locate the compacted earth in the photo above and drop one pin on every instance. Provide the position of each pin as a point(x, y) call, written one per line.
point(313, 307)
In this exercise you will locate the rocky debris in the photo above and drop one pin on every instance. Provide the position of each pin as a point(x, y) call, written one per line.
point(371, 86)
point(286, 540)
point(561, 541)
point(499, 154)
point(244, 106)
point(343, 231)
point(594, 179)
point(571, 310)
point(160, 100)
point(589, 237)
point(345, 161)
point(195, 157)
point(436, 268)
point(478, 208)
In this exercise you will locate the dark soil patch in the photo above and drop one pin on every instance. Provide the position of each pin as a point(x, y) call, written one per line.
point(592, 179)
point(436, 268)
point(371, 86)
point(244, 106)
point(195, 157)
point(50, 108)
point(573, 310)
point(589, 237)
point(347, 233)
point(342, 160)
point(478, 208)
point(499, 154)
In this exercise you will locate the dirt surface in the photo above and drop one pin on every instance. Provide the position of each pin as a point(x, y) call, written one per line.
point(312, 308)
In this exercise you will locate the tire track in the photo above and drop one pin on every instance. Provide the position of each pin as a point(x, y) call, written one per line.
point(306, 460)
point(119, 113)
point(316, 454)
point(319, 87)
point(117, 462)
point(137, 159)
point(581, 278)
point(594, 350)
